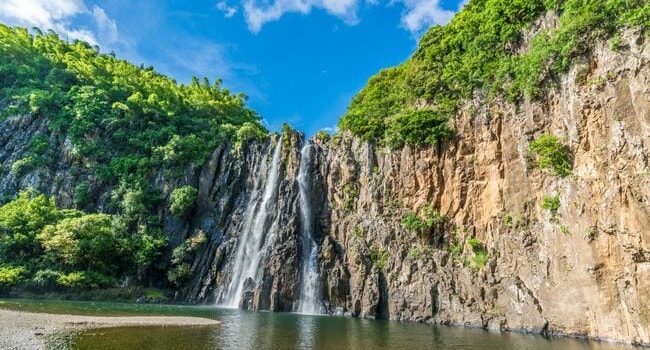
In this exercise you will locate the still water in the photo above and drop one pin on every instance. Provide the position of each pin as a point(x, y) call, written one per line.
point(242, 330)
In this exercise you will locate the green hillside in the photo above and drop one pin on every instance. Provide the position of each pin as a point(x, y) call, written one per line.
point(478, 52)
point(125, 123)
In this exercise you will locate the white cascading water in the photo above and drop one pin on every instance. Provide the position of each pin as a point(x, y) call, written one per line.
point(259, 226)
point(310, 302)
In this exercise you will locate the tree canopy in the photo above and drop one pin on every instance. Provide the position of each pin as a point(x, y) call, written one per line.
point(479, 50)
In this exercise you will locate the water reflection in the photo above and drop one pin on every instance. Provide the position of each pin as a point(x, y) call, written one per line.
point(306, 332)
point(243, 330)
point(249, 330)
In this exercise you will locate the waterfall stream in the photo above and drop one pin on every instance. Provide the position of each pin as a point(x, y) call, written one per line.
point(309, 302)
point(260, 225)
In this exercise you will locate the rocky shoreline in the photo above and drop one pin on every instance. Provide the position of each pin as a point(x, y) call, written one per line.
point(26, 330)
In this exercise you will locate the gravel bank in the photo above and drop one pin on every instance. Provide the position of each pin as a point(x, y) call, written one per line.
point(24, 330)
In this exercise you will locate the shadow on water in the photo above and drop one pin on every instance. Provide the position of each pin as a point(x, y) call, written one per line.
point(243, 330)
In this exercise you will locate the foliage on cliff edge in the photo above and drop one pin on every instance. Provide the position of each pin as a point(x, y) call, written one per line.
point(479, 51)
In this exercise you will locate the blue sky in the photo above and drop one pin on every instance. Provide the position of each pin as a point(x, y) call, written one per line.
point(299, 61)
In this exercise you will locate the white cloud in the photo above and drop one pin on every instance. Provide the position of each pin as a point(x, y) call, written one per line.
point(228, 11)
point(419, 15)
point(57, 15)
point(106, 26)
point(258, 13)
point(331, 129)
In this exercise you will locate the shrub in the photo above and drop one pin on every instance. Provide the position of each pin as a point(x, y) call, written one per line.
point(552, 204)
point(507, 220)
point(412, 222)
point(479, 260)
point(590, 233)
point(81, 196)
point(88, 242)
point(350, 193)
point(85, 280)
point(181, 270)
point(46, 279)
point(432, 216)
point(322, 136)
point(22, 166)
point(248, 132)
point(179, 274)
point(357, 232)
point(379, 257)
point(154, 294)
point(551, 154)
point(415, 253)
point(480, 253)
point(20, 221)
point(475, 244)
point(11, 275)
point(182, 200)
point(565, 230)
point(182, 150)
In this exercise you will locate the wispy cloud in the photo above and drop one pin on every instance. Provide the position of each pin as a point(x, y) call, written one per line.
point(57, 15)
point(228, 11)
point(258, 13)
point(417, 16)
point(107, 28)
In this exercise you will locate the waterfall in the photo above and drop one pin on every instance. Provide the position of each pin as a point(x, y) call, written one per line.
point(260, 224)
point(310, 302)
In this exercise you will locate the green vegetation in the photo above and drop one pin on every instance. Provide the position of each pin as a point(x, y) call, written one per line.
point(415, 253)
point(126, 124)
point(590, 233)
point(379, 257)
point(552, 204)
point(182, 200)
point(415, 102)
point(322, 136)
point(476, 259)
point(357, 232)
point(565, 230)
point(122, 119)
point(44, 248)
point(10, 275)
point(551, 154)
point(182, 255)
point(507, 220)
point(480, 254)
point(411, 221)
point(350, 195)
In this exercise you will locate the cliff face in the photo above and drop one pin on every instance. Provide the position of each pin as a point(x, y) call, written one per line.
point(583, 271)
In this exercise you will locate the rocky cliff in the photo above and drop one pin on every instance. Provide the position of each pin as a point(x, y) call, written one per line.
point(493, 257)
point(484, 250)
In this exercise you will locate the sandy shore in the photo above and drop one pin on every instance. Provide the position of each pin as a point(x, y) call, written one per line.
point(24, 330)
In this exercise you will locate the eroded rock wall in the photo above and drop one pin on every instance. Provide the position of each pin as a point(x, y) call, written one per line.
point(585, 271)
